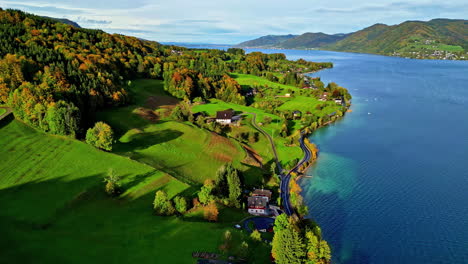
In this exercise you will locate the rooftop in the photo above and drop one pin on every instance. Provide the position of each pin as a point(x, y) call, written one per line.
point(262, 192)
point(257, 202)
point(226, 114)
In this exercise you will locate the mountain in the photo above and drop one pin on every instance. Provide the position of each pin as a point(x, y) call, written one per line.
point(410, 36)
point(434, 39)
point(311, 40)
point(266, 41)
point(65, 21)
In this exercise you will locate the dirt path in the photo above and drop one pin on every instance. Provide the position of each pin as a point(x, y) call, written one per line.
point(8, 111)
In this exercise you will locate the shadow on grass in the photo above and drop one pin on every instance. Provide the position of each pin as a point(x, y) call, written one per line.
point(147, 139)
point(6, 120)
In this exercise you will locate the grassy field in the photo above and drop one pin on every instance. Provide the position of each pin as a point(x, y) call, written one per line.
point(189, 153)
point(2, 111)
point(54, 209)
point(285, 153)
point(249, 80)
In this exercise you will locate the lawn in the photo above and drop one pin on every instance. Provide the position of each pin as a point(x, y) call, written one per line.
point(286, 154)
point(179, 148)
point(2, 111)
point(249, 80)
point(54, 209)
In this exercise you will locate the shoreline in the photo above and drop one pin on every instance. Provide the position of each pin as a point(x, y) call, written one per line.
point(357, 52)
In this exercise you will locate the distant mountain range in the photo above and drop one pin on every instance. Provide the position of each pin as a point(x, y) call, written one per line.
point(435, 39)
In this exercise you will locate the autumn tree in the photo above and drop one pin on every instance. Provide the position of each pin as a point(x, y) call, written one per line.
point(101, 136)
point(210, 212)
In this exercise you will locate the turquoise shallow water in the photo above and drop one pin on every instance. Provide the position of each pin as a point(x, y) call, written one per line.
point(391, 181)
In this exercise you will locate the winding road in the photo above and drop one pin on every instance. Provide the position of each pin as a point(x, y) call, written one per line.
point(284, 177)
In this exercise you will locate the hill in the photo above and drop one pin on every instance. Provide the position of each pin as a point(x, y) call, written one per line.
point(412, 38)
point(311, 40)
point(266, 41)
point(434, 39)
point(65, 21)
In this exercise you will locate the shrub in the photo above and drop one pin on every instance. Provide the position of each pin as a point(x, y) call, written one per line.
point(256, 236)
point(112, 183)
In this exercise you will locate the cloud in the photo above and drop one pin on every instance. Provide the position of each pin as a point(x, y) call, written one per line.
point(44, 8)
point(235, 21)
point(84, 20)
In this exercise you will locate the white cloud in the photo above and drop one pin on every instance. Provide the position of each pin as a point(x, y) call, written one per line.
point(234, 21)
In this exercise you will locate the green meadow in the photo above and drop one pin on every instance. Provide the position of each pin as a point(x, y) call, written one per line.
point(2, 111)
point(53, 203)
point(249, 80)
point(179, 148)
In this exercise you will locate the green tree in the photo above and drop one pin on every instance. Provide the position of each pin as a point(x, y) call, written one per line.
point(228, 182)
point(180, 204)
point(287, 245)
point(162, 205)
point(204, 195)
point(235, 189)
point(62, 118)
point(101, 136)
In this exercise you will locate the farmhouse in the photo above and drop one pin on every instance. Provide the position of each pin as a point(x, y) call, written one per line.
point(258, 203)
point(339, 101)
point(225, 117)
point(324, 97)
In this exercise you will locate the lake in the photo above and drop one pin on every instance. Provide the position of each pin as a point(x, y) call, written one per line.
point(391, 181)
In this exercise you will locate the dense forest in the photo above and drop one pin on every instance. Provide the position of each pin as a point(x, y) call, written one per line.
point(55, 76)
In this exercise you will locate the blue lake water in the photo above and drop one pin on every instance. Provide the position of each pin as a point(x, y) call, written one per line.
point(391, 181)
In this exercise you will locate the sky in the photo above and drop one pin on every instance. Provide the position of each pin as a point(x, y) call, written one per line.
point(231, 22)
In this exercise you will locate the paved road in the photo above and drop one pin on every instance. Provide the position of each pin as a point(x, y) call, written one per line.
point(285, 178)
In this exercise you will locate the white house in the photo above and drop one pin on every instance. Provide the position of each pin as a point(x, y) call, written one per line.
point(258, 203)
point(225, 117)
point(339, 101)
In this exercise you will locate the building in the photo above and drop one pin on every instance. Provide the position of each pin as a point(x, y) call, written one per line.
point(324, 97)
point(263, 193)
point(258, 203)
point(225, 117)
point(339, 101)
